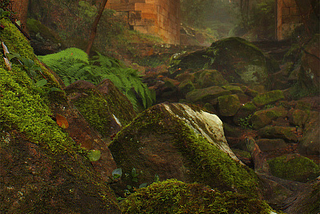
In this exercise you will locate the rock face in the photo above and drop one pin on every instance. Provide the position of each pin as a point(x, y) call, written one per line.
point(176, 141)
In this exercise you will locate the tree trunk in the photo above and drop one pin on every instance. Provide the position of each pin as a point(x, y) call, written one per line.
point(20, 7)
point(94, 26)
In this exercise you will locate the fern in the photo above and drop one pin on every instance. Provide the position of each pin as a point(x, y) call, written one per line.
point(73, 64)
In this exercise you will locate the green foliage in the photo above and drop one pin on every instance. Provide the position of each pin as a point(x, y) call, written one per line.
point(73, 64)
point(245, 123)
point(94, 155)
point(5, 5)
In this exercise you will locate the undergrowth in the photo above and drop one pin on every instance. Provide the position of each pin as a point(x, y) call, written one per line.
point(74, 64)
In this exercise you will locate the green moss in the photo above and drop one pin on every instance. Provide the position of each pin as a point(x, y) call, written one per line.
point(173, 196)
point(25, 114)
point(268, 97)
point(35, 27)
point(207, 164)
point(296, 168)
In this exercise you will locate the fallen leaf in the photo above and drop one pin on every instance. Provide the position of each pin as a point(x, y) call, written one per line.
point(62, 121)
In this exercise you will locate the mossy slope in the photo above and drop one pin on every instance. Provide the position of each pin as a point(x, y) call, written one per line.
point(43, 170)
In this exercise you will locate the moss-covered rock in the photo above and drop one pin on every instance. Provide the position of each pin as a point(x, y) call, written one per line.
point(294, 167)
point(265, 117)
point(173, 196)
point(269, 145)
point(238, 61)
point(103, 106)
point(244, 114)
point(186, 86)
point(268, 97)
point(209, 78)
point(228, 105)
point(206, 95)
point(284, 132)
point(43, 170)
point(174, 141)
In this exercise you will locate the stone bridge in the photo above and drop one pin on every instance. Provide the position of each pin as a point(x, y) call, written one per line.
point(157, 17)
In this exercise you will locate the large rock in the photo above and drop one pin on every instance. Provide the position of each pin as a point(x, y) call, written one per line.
point(174, 196)
point(176, 141)
point(206, 95)
point(228, 105)
point(264, 117)
point(42, 168)
point(238, 61)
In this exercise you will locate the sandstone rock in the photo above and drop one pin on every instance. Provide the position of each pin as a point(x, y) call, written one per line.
point(176, 141)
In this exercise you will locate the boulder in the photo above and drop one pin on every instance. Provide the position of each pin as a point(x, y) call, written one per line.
point(173, 196)
point(269, 145)
point(264, 117)
point(294, 167)
point(283, 132)
point(209, 78)
point(238, 60)
point(103, 106)
point(177, 141)
point(186, 86)
point(228, 105)
point(268, 97)
point(206, 95)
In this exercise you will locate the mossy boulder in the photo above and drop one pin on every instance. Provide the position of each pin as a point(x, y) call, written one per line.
point(238, 60)
point(209, 78)
point(265, 117)
point(228, 105)
point(268, 97)
point(186, 86)
point(173, 196)
point(176, 141)
point(299, 117)
point(294, 167)
point(269, 145)
point(43, 40)
point(206, 95)
point(245, 113)
point(43, 170)
point(283, 132)
point(103, 106)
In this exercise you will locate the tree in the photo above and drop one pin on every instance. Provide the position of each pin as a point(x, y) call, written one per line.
point(94, 26)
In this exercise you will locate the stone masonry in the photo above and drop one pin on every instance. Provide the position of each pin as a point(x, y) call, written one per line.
point(288, 18)
point(155, 17)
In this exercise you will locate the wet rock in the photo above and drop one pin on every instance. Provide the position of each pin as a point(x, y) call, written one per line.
point(228, 105)
point(264, 117)
point(206, 95)
point(294, 167)
point(176, 141)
